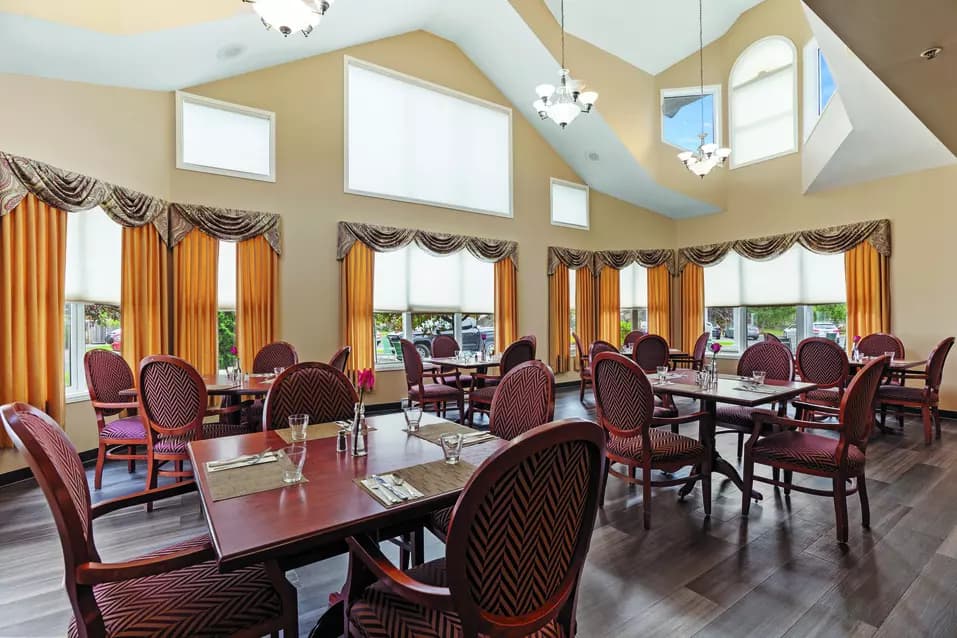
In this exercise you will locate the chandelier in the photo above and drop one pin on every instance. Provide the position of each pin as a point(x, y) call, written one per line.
point(287, 16)
point(564, 104)
point(707, 156)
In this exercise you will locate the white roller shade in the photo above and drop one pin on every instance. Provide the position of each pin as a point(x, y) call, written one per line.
point(94, 246)
point(412, 279)
point(722, 282)
point(226, 276)
point(633, 286)
point(391, 281)
point(569, 204)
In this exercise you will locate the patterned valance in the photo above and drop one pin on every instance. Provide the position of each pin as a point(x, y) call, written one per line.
point(387, 238)
point(827, 241)
point(223, 223)
point(575, 258)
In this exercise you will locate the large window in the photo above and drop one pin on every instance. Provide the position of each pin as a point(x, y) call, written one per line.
point(418, 296)
point(91, 318)
point(226, 139)
point(569, 204)
point(411, 140)
point(819, 85)
point(572, 314)
point(763, 102)
point(226, 304)
point(633, 295)
point(681, 116)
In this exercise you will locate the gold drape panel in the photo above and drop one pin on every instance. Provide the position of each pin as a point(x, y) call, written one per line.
point(32, 291)
point(867, 273)
point(356, 272)
point(692, 306)
point(257, 286)
point(586, 307)
point(196, 259)
point(559, 320)
point(144, 296)
point(506, 304)
point(659, 301)
point(609, 306)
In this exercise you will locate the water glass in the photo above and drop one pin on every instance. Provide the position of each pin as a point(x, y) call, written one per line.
point(662, 373)
point(278, 370)
point(451, 447)
point(413, 416)
point(297, 426)
point(458, 355)
point(295, 459)
point(891, 355)
point(758, 376)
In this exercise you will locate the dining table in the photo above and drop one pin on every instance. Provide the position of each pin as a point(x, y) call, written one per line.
point(255, 385)
point(897, 365)
point(470, 363)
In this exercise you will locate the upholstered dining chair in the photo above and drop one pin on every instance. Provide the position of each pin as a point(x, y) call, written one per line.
point(695, 360)
point(632, 337)
point(540, 491)
point(107, 373)
point(437, 395)
point(174, 591)
point(649, 352)
point(278, 354)
point(534, 341)
point(925, 399)
point(625, 403)
point(525, 399)
point(584, 371)
point(824, 362)
point(311, 387)
point(446, 346)
point(340, 359)
point(878, 343)
point(839, 459)
point(480, 399)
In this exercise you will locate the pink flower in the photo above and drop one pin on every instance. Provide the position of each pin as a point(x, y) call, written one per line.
point(233, 350)
point(857, 338)
point(484, 336)
point(715, 347)
point(366, 380)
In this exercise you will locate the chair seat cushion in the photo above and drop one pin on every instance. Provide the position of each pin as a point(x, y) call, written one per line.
point(217, 430)
point(666, 447)
point(193, 601)
point(129, 428)
point(381, 614)
point(437, 391)
point(585, 373)
point(662, 412)
point(825, 397)
point(736, 417)
point(464, 380)
point(439, 522)
point(900, 393)
point(171, 445)
point(807, 451)
point(482, 395)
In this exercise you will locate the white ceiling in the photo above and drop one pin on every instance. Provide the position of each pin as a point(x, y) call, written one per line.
point(650, 34)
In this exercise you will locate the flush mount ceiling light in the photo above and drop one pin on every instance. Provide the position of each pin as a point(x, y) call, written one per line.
point(287, 16)
point(564, 104)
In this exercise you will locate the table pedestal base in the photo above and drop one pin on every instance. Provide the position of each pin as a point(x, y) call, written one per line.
point(331, 623)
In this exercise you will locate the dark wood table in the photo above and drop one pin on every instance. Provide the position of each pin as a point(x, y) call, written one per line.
point(897, 365)
point(220, 385)
point(471, 364)
point(684, 385)
point(673, 353)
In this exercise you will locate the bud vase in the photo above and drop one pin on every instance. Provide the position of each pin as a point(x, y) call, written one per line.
point(358, 431)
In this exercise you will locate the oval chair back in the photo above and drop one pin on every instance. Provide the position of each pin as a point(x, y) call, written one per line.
point(650, 352)
point(548, 481)
point(633, 336)
point(623, 397)
point(107, 373)
point(340, 359)
point(935, 364)
point(313, 388)
point(772, 357)
point(278, 354)
point(444, 346)
point(823, 362)
point(412, 362)
point(857, 406)
point(516, 353)
point(173, 398)
point(700, 348)
point(582, 354)
point(598, 347)
point(523, 399)
point(877, 343)
point(534, 341)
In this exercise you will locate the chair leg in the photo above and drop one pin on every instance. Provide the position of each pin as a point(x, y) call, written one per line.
point(928, 431)
point(646, 496)
point(747, 480)
point(131, 464)
point(581, 390)
point(100, 459)
point(604, 484)
point(865, 504)
point(788, 474)
point(883, 415)
point(935, 412)
point(740, 444)
point(840, 508)
point(461, 406)
point(776, 475)
point(150, 479)
point(706, 486)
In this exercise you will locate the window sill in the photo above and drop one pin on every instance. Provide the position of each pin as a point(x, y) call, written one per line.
point(387, 367)
point(77, 397)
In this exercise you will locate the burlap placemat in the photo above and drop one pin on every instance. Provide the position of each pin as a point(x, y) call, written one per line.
point(431, 479)
point(434, 431)
point(315, 431)
point(249, 479)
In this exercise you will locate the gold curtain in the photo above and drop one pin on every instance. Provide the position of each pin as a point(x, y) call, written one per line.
point(144, 296)
point(559, 322)
point(506, 303)
point(692, 306)
point(867, 273)
point(586, 304)
point(356, 327)
point(659, 301)
point(609, 306)
point(257, 274)
point(32, 291)
point(195, 324)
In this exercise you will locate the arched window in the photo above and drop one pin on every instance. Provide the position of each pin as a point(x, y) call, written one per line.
point(763, 101)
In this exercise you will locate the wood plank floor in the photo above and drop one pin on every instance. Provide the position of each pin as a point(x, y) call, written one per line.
point(781, 573)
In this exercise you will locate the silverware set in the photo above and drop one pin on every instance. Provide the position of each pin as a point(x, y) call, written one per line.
point(265, 456)
point(393, 488)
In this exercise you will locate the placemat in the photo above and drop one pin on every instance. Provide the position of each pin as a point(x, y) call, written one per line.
point(431, 479)
point(248, 479)
point(434, 431)
point(316, 431)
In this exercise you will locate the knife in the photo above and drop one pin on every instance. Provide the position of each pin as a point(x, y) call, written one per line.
point(384, 483)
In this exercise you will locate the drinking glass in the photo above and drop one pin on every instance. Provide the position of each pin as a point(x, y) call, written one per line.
point(278, 370)
point(662, 373)
point(296, 458)
point(891, 355)
point(297, 426)
point(451, 447)
point(758, 376)
point(413, 416)
point(458, 355)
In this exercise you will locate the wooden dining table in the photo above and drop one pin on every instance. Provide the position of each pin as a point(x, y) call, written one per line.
point(221, 385)
point(897, 365)
point(471, 363)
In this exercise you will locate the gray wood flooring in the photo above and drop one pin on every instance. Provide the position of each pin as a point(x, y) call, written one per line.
point(779, 574)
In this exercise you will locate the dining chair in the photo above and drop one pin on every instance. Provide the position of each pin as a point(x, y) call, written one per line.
point(340, 359)
point(695, 360)
point(525, 399)
point(480, 399)
point(278, 354)
point(925, 399)
point(632, 337)
point(823, 362)
point(839, 459)
point(107, 373)
point(878, 343)
point(625, 405)
point(437, 395)
point(311, 387)
point(534, 341)
point(584, 371)
point(540, 491)
point(650, 351)
point(775, 360)
point(445, 346)
point(175, 591)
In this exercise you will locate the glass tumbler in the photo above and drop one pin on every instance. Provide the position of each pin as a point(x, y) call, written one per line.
point(295, 459)
point(662, 373)
point(451, 447)
point(297, 426)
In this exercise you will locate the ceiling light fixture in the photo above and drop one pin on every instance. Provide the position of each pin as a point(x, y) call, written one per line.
point(931, 53)
point(564, 104)
point(707, 156)
point(287, 16)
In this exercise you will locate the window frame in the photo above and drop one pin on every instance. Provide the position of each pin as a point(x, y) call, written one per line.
point(803, 326)
point(551, 203)
point(715, 90)
point(438, 88)
point(183, 96)
point(77, 390)
point(813, 110)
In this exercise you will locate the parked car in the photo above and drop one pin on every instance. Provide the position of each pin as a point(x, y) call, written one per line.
point(713, 330)
point(115, 339)
point(825, 329)
point(752, 332)
point(471, 338)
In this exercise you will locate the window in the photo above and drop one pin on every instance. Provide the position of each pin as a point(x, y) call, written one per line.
point(434, 146)
point(633, 295)
point(418, 296)
point(225, 139)
point(819, 85)
point(226, 304)
point(572, 322)
point(681, 116)
point(569, 204)
point(763, 102)
point(91, 317)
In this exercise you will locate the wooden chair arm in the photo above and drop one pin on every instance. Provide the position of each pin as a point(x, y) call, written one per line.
point(139, 498)
point(766, 417)
point(487, 377)
point(394, 579)
point(695, 416)
point(224, 409)
point(99, 573)
point(814, 407)
point(105, 405)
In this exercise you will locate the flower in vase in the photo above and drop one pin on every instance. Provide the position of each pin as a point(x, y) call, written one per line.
point(233, 350)
point(715, 348)
point(857, 339)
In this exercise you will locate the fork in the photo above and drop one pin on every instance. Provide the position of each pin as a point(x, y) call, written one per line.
point(250, 459)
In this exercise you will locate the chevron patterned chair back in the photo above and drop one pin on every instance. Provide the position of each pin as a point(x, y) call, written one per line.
point(524, 399)
point(534, 341)
point(175, 591)
point(698, 353)
point(771, 357)
point(278, 354)
point(107, 373)
point(516, 353)
point(877, 343)
point(825, 363)
point(313, 388)
point(444, 346)
point(632, 337)
point(597, 348)
point(340, 359)
point(650, 351)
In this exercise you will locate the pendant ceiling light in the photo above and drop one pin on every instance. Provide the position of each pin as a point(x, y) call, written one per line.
point(707, 156)
point(287, 16)
point(564, 104)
